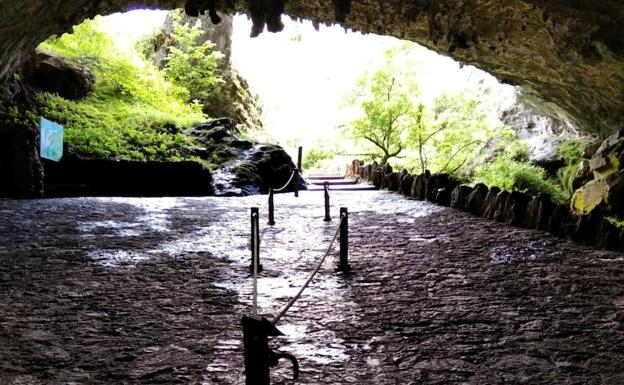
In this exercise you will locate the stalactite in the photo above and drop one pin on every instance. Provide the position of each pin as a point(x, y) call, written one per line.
point(266, 12)
point(342, 8)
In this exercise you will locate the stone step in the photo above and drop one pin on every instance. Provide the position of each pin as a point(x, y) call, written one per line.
point(352, 187)
point(324, 177)
point(334, 182)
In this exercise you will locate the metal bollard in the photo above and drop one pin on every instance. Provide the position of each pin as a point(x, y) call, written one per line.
point(299, 158)
point(296, 181)
point(255, 239)
point(258, 356)
point(271, 208)
point(344, 240)
point(326, 187)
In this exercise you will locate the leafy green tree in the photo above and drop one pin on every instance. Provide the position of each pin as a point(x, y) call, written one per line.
point(459, 129)
point(191, 63)
point(388, 111)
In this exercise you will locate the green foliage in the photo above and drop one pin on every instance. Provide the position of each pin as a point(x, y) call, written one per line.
point(458, 132)
point(572, 153)
point(389, 111)
point(133, 112)
point(192, 64)
point(512, 175)
point(314, 157)
point(615, 222)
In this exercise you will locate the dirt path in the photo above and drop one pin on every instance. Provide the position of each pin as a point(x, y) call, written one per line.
point(147, 291)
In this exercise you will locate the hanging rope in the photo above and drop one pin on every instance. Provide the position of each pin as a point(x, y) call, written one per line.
point(307, 283)
point(287, 183)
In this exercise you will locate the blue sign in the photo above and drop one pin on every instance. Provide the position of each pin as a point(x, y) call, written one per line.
point(51, 140)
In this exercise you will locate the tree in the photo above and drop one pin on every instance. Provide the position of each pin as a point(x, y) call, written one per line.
point(459, 128)
point(388, 112)
point(190, 63)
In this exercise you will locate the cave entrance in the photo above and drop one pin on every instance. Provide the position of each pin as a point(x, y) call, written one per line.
point(320, 87)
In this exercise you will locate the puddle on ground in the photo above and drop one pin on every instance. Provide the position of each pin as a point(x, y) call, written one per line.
point(540, 251)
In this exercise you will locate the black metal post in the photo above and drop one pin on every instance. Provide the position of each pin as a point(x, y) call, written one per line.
point(326, 187)
point(299, 158)
point(255, 239)
point(296, 182)
point(344, 240)
point(271, 208)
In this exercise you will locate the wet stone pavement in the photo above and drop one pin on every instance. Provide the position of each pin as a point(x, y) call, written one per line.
point(151, 291)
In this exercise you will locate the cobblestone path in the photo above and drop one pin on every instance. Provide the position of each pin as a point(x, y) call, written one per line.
point(151, 291)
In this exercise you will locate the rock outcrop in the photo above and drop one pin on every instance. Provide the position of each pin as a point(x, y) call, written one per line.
point(52, 73)
point(234, 99)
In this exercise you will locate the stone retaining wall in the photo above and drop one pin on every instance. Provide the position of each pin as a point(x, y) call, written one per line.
point(515, 208)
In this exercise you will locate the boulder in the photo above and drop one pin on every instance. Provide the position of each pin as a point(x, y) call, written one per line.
point(377, 176)
point(459, 196)
point(406, 184)
point(544, 212)
point(55, 74)
point(419, 187)
point(435, 182)
point(609, 157)
point(392, 181)
point(475, 202)
point(608, 191)
point(530, 216)
point(499, 206)
point(443, 196)
point(515, 208)
point(490, 203)
point(559, 220)
point(587, 228)
point(583, 174)
point(611, 237)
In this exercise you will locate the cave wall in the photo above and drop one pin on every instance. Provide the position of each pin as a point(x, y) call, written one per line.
point(567, 54)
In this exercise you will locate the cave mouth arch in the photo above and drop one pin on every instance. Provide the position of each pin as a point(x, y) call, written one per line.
point(565, 53)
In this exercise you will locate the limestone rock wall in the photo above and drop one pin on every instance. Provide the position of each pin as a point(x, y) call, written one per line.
point(234, 99)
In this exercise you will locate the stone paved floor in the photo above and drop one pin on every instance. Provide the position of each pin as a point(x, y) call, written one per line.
point(151, 291)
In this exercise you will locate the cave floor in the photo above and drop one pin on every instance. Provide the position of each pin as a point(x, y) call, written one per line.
point(151, 291)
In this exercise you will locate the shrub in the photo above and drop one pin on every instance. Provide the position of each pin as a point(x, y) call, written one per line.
point(517, 176)
point(133, 112)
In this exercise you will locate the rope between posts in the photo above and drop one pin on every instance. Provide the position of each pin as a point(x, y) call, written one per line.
point(307, 283)
point(287, 183)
